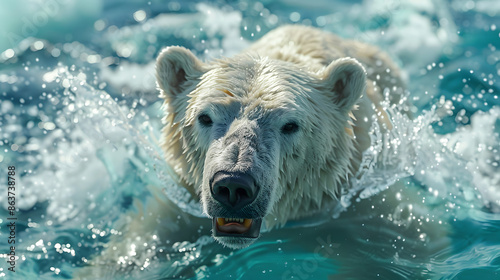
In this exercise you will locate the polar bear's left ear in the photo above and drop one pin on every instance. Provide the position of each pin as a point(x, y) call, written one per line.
point(345, 79)
point(176, 69)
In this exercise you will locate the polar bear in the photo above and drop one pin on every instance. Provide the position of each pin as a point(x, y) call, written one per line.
point(274, 133)
point(271, 135)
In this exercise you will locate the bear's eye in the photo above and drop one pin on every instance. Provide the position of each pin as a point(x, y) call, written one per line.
point(205, 120)
point(290, 128)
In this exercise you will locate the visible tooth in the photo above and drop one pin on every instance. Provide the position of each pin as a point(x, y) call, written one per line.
point(239, 220)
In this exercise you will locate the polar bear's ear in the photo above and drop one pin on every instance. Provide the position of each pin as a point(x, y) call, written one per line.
point(345, 78)
point(177, 68)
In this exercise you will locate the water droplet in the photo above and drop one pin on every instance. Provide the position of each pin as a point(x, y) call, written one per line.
point(9, 53)
point(295, 17)
point(38, 45)
point(140, 15)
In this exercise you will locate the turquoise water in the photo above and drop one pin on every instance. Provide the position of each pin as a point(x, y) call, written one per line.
point(80, 119)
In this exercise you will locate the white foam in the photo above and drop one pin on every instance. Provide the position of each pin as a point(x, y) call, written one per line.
point(479, 144)
point(223, 23)
point(407, 30)
point(221, 26)
point(79, 159)
point(462, 167)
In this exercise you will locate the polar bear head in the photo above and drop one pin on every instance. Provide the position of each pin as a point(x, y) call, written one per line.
point(257, 138)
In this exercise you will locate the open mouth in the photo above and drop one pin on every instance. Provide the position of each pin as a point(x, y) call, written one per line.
point(236, 227)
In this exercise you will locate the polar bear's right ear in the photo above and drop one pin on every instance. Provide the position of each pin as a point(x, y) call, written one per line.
point(345, 80)
point(176, 69)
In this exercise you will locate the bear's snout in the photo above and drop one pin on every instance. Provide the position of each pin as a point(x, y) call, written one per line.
point(233, 189)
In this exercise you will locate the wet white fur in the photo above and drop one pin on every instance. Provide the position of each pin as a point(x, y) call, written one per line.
point(292, 73)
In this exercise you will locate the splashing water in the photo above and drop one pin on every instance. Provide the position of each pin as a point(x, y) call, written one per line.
point(412, 148)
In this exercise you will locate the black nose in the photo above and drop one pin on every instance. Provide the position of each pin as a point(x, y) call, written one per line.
point(235, 190)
